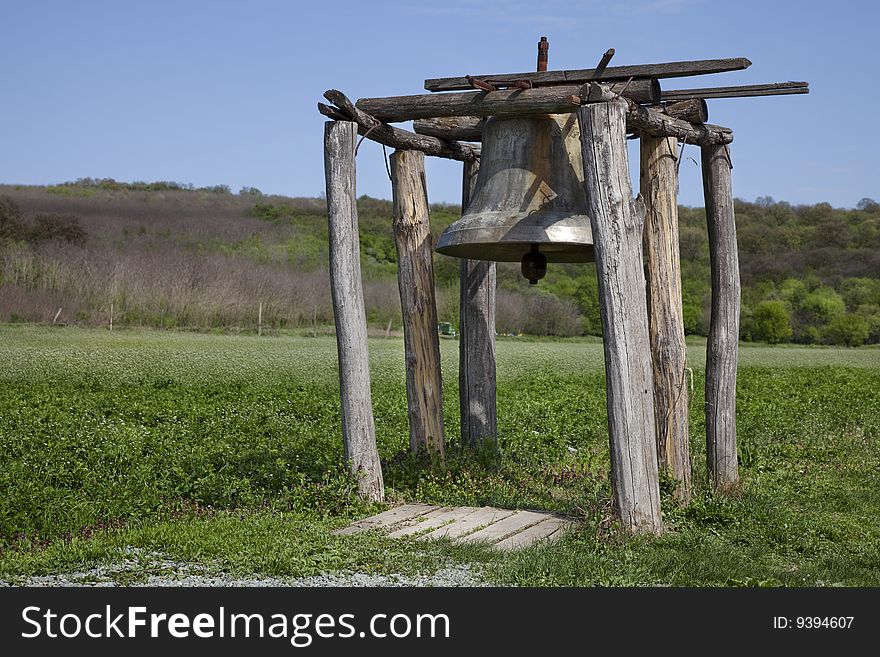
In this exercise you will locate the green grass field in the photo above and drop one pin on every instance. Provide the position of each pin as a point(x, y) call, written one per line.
point(225, 451)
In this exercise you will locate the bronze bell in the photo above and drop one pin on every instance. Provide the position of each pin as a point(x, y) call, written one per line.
point(529, 203)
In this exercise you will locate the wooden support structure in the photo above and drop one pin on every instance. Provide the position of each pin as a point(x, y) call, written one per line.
point(659, 188)
point(358, 429)
point(723, 343)
point(476, 347)
point(647, 407)
point(580, 76)
point(617, 221)
point(651, 121)
point(415, 278)
point(509, 102)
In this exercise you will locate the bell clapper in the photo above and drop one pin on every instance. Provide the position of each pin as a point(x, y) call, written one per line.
point(534, 265)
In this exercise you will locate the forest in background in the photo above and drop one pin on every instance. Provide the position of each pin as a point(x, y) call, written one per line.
point(168, 255)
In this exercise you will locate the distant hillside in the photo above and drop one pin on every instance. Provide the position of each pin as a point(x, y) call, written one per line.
point(167, 255)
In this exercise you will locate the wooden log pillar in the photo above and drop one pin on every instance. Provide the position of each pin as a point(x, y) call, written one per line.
point(358, 428)
point(617, 221)
point(659, 190)
point(415, 278)
point(722, 347)
point(476, 347)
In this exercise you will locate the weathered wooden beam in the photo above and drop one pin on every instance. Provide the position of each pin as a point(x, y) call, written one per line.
point(617, 220)
point(465, 128)
point(603, 64)
point(659, 189)
point(743, 91)
point(476, 347)
point(395, 137)
point(647, 120)
point(723, 344)
point(580, 76)
point(651, 122)
point(415, 278)
point(692, 110)
point(461, 128)
point(507, 102)
point(358, 429)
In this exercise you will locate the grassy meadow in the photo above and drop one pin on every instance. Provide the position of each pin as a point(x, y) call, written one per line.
point(225, 451)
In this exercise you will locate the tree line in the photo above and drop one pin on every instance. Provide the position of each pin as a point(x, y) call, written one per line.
point(810, 273)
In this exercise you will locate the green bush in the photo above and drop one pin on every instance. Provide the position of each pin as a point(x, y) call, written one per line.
point(824, 304)
point(771, 322)
point(850, 330)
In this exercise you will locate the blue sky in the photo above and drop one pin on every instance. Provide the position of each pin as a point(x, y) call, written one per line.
point(225, 92)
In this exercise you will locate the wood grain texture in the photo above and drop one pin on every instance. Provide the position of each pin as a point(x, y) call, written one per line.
point(476, 347)
point(415, 278)
point(389, 518)
point(505, 527)
point(723, 344)
point(480, 518)
point(358, 429)
point(541, 531)
point(465, 128)
point(659, 187)
point(511, 102)
point(742, 91)
point(639, 71)
point(617, 221)
point(692, 110)
point(374, 129)
point(435, 519)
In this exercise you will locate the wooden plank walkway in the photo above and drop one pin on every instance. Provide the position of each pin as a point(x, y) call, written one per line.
point(503, 529)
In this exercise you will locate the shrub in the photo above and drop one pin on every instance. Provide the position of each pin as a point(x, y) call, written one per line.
point(824, 304)
point(850, 330)
point(57, 227)
point(771, 322)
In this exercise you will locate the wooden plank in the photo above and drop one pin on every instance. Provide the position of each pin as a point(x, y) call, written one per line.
point(742, 91)
point(510, 102)
point(370, 127)
point(388, 518)
point(505, 527)
point(434, 520)
point(415, 277)
point(659, 188)
point(472, 522)
point(723, 343)
point(476, 347)
point(639, 71)
point(358, 429)
point(617, 221)
point(541, 531)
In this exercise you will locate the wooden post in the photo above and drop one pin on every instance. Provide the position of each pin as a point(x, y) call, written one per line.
point(415, 278)
point(260, 319)
point(358, 430)
point(111, 316)
point(659, 188)
point(476, 347)
point(723, 344)
point(617, 221)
